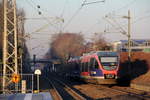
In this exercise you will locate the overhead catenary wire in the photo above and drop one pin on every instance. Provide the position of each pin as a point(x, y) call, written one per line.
point(79, 9)
point(87, 3)
point(135, 21)
point(31, 4)
point(45, 18)
point(40, 8)
point(112, 24)
point(142, 18)
point(63, 10)
point(74, 15)
point(44, 26)
point(91, 27)
point(126, 6)
point(37, 6)
point(119, 26)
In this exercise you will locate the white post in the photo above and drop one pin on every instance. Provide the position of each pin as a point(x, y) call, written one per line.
point(32, 83)
point(38, 82)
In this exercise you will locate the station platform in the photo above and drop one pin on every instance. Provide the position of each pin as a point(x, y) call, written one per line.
point(29, 96)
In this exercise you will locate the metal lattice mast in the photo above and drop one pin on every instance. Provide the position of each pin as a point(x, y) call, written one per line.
point(10, 57)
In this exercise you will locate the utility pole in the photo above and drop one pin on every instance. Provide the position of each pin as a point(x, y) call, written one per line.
point(10, 56)
point(129, 43)
point(129, 35)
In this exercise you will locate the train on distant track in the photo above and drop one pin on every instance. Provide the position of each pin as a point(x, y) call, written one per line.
point(95, 67)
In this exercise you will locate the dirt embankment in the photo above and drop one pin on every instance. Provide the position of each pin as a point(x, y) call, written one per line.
point(136, 56)
point(130, 71)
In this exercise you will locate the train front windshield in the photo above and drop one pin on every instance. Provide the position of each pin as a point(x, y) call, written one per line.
point(109, 63)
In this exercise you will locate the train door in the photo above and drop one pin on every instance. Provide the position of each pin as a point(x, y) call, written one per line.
point(93, 64)
point(94, 68)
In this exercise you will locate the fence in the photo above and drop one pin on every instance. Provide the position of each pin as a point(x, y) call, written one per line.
point(25, 84)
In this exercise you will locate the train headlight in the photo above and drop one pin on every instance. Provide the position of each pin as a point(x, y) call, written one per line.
point(93, 72)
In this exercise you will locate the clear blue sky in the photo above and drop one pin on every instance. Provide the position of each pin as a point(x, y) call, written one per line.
point(88, 20)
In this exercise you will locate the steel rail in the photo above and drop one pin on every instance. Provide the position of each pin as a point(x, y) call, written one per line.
point(144, 97)
point(133, 93)
point(54, 92)
point(71, 91)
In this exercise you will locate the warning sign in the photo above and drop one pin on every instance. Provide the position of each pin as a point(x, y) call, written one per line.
point(15, 78)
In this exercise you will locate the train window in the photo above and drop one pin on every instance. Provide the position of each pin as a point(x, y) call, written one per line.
point(89, 66)
point(82, 67)
point(96, 64)
point(92, 61)
point(86, 66)
point(76, 66)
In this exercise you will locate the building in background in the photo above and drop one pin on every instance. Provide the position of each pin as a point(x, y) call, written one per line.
point(136, 45)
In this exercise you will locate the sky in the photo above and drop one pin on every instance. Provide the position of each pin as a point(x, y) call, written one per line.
point(72, 16)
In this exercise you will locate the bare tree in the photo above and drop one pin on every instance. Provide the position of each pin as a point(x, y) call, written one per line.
point(65, 45)
point(98, 42)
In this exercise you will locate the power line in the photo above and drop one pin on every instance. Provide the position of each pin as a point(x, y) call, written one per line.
point(87, 3)
point(75, 14)
point(38, 7)
point(92, 26)
point(112, 24)
point(141, 18)
point(72, 17)
point(43, 17)
point(79, 9)
point(63, 11)
point(135, 21)
point(32, 5)
point(126, 6)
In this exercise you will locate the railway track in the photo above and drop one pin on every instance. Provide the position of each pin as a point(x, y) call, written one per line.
point(141, 95)
point(96, 92)
point(134, 92)
point(62, 91)
point(53, 91)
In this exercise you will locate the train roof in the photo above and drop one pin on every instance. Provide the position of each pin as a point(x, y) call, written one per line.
point(74, 59)
point(102, 53)
point(86, 57)
point(107, 53)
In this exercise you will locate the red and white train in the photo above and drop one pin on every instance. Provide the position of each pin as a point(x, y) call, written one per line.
point(97, 67)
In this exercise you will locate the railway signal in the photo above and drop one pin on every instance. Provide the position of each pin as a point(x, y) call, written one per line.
point(15, 78)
